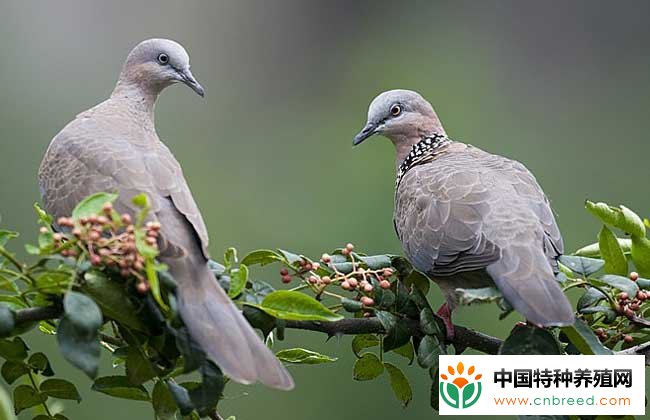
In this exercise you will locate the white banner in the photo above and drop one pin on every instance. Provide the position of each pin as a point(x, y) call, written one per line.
point(514, 385)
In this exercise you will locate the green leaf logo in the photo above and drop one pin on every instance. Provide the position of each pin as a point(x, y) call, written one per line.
point(458, 390)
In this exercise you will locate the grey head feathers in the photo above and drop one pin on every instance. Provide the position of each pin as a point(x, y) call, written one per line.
point(155, 64)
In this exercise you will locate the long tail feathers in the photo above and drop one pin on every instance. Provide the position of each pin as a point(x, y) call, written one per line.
point(223, 332)
point(526, 280)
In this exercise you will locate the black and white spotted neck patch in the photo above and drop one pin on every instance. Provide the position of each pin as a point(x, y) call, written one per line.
point(422, 152)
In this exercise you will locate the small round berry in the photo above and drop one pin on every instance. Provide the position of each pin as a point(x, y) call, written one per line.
point(388, 272)
point(367, 288)
point(65, 253)
point(125, 272)
point(102, 220)
point(83, 220)
point(104, 252)
point(92, 219)
point(315, 266)
point(640, 295)
point(313, 279)
point(284, 272)
point(143, 287)
point(367, 301)
point(353, 283)
point(623, 296)
point(599, 331)
point(308, 266)
point(126, 219)
point(76, 232)
point(95, 260)
point(326, 258)
point(345, 285)
point(345, 252)
point(44, 230)
point(634, 306)
point(366, 314)
point(93, 235)
point(286, 279)
point(634, 276)
point(326, 279)
point(629, 312)
point(57, 237)
point(628, 339)
point(138, 266)
point(107, 208)
point(349, 247)
point(384, 284)
point(150, 241)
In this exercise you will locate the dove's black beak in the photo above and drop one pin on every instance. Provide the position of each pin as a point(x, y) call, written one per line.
point(368, 131)
point(187, 77)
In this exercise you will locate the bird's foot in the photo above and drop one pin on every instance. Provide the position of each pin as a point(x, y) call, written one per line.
point(445, 313)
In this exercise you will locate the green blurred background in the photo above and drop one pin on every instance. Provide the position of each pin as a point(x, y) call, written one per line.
point(562, 86)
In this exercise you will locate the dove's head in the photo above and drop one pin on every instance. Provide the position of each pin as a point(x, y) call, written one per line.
point(403, 116)
point(155, 64)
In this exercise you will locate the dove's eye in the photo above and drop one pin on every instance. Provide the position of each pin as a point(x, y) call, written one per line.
point(163, 59)
point(395, 110)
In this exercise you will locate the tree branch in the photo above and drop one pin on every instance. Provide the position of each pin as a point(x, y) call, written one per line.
point(463, 337)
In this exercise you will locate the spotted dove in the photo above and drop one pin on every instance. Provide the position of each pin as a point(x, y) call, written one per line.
point(113, 147)
point(468, 218)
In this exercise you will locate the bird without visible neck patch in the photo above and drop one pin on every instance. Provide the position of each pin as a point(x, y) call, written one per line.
point(422, 152)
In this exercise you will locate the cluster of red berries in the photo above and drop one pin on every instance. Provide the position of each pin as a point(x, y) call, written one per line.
point(630, 305)
point(603, 335)
point(107, 239)
point(357, 280)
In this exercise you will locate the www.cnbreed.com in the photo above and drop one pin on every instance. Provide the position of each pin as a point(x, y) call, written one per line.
point(553, 400)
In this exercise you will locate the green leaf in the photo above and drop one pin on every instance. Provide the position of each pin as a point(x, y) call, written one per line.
point(261, 257)
point(610, 314)
point(406, 351)
point(435, 386)
point(238, 280)
point(364, 341)
point(641, 255)
point(581, 336)
point(590, 297)
point(206, 396)
point(399, 384)
point(289, 257)
point(621, 283)
point(290, 305)
point(13, 370)
point(43, 218)
point(259, 319)
point(479, 295)
point(428, 351)
point(582, 265)
point(303, 357)
point(59, 388)
point(8, 285)
point(6, 235)
point(621, 217)
point(612, 253)
point(82, 312)
point(92, 205)
point(163, 403)
point(428, 323)
point(351, 305)
point(525, 339)
point(6, 411)
point(368, 367)
point(138, 368)
point(15, 349)
point(384, 298)
point(417, 280)
point(403, 303)
point(79, 347)
point(593, 250)
point(39, 364)
point(230, 258)
point(26, 397)
point(120, 387)
point(375, 262)
point(7, 320)
point(55, 282)
point(113, 299)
